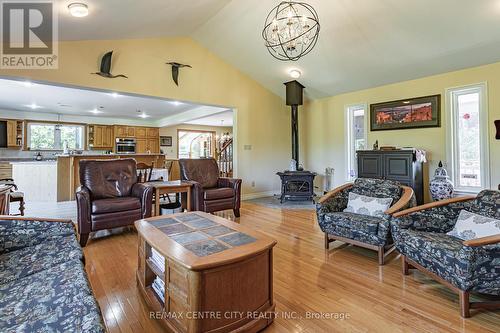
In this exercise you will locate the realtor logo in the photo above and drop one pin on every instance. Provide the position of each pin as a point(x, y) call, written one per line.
point(29, 35)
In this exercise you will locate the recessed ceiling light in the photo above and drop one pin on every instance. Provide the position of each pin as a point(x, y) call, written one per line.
point(176, 103)
point(95, 111)
point(144, 116)
point(28, 84)
point(115, 94)
point(78, 9)
point(406, 102)
point(33, 106)
point(294, 73)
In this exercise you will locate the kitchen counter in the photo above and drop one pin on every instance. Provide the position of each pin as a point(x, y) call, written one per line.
point(107, 155)
point(68, 169)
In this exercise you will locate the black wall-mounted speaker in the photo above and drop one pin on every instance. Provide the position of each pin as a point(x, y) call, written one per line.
point(294, 93)
point(497, 124)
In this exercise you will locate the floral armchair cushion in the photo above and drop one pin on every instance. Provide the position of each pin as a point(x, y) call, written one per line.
point(378, 188)
point(470, 226)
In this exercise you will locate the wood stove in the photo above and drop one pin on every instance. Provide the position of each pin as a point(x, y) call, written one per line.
point(297, 185)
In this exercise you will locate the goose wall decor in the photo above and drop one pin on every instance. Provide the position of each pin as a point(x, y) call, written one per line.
point(175, 70)
point(105, 70)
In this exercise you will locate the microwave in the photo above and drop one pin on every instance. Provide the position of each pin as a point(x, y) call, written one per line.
point(125, 146)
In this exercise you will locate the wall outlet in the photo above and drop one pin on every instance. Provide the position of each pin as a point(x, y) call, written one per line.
point(253, 183)
point(247, 147)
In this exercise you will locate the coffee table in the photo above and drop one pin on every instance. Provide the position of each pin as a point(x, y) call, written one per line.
point(166, 187)
point(217, 274)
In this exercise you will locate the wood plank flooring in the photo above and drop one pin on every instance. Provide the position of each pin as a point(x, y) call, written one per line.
point(307, 280)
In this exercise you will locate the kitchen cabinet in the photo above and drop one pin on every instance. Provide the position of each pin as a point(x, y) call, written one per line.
point(100, 136)
point(154, 145)
point(14, 133)
point(120, 131)
point(130, 131)
point(141, 146)
point(141, 132)
point(153, 132)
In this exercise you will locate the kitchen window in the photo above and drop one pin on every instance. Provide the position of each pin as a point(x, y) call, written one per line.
point(48, 136)
point(468, 137)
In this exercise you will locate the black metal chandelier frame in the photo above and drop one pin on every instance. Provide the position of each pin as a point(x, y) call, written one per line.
point(282, 45)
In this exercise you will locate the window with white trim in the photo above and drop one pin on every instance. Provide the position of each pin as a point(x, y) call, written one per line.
point(48, 136)
point(356, 136)
point(468, 137)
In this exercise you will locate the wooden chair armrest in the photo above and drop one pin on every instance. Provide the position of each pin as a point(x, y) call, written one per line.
point(42, 219)
point(483, 241)
point(432, 205)
point(334, 192)
point(402, 202)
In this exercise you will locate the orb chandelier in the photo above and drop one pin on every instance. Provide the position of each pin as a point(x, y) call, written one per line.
point(291, 30)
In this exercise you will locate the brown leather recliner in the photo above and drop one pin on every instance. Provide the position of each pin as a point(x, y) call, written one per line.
point(210, 193)
point(110, 196)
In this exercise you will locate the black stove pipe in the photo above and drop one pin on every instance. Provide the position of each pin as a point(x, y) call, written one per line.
point(294, 98)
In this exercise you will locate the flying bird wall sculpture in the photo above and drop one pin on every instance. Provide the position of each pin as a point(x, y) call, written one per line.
point(175, 70)
point(105, 70)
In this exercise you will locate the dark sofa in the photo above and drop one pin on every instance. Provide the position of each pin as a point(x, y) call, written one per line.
point(43, 283)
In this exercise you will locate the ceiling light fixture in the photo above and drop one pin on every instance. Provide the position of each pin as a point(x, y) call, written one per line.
point(291, 30)
point(78, 9)
point(95, 111)
point(115, 94)
point(28, 84)
point(294, 73)
point(176, 103)
point(144, 116)
point(33, 106)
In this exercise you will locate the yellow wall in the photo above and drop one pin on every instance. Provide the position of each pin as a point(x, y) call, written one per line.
point(171, 152)
point(324, 123)
point(262, 119)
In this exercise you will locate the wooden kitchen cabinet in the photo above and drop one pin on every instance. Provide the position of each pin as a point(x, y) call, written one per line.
point(154, 145)
point(100, 136)
point(153, 132)
point(141, 146)
point(141, 132)
point(120, 131)
point(12, 133)
point(130, 131)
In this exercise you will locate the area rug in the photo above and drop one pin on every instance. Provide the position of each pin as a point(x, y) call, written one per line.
point(274, 202)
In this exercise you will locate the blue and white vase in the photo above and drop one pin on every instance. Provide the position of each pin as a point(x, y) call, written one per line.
point(440, 186)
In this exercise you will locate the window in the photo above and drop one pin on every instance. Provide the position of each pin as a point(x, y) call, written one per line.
point(356, 136)
point(46, 136)
point(468, 138)
point(195, 144)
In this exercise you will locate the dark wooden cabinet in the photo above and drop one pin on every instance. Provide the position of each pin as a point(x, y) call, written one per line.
point(398, 165)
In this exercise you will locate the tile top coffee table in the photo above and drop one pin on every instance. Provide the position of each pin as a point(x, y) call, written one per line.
point(211, 265)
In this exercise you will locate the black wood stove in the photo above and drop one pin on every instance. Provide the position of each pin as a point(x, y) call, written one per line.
point(296, 185)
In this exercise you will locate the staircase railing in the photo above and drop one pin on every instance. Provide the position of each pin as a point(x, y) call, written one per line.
point(225, 158)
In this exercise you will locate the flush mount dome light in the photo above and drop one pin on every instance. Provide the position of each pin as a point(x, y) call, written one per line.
point(78, 9)
point(294, 73)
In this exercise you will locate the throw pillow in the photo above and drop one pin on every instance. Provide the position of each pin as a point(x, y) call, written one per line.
point(364, 205)
point(471, 226)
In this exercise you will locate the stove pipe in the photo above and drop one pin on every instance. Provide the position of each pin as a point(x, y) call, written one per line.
point(294, 98)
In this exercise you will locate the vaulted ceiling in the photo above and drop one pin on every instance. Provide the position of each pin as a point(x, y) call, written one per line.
point(362, 44)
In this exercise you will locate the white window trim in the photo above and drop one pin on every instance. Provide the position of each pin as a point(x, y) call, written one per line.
point(349, 141)
point(451, 128)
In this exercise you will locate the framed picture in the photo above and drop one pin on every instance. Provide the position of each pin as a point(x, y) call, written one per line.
point(166, 141)
point(416, 112)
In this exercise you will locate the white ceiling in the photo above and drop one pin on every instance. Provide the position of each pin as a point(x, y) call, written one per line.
point(363, 43)
point(20, 96)
point(220, 119)
point(118, 19)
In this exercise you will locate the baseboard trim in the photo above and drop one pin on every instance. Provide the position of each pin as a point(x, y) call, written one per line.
point(257, 195)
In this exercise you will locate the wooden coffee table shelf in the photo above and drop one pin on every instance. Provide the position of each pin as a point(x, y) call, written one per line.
point(215, 270)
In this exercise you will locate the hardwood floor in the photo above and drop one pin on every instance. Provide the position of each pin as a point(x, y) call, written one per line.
point(345, 280)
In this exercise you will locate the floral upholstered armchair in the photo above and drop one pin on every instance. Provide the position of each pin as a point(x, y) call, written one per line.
point(420, 234)
point(372, 232)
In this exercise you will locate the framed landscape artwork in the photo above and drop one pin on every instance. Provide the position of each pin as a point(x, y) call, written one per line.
point(416, 112)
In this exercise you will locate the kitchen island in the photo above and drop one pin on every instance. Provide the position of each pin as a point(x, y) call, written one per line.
point(68, 169)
